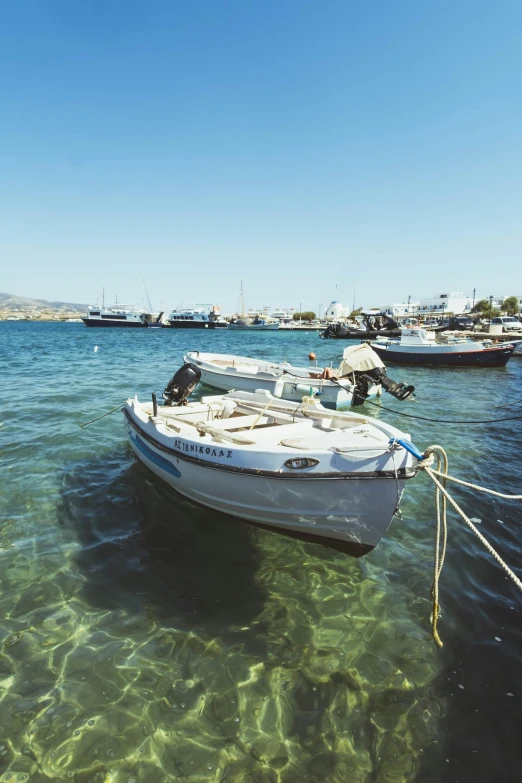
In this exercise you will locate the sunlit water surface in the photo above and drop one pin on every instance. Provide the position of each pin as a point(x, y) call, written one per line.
point(144, 638)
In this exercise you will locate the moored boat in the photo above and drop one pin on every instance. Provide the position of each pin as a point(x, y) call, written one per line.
point(417, 346)
point(357, 334)
point(257, 324)
point(198, 317)
point(372, 326)
point(360, 375)
point(251, 320)
point(117, 315)
point(297, 468)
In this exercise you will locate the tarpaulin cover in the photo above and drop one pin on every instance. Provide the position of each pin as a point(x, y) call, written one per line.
point(359, 358)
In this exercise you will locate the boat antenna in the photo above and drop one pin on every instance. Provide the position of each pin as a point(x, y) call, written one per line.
point(146, 293)
point(103, 298)
point(242, 300)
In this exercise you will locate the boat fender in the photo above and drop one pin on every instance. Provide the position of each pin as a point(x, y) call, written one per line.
point(279, 386)
point(409, 446)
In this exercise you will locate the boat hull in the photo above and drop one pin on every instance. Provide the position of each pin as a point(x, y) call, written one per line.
point(254, 328)
point(497, 356)
point(329, 396)
point(356, 334)
point(196, 325)
point(347, 510)
point(115, 324)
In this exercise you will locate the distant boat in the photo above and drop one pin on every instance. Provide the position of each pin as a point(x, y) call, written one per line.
point(117, 315)
point(199, 317)
point(257, 323)
point(121, 315)
point(416, 346)
point(251, 321)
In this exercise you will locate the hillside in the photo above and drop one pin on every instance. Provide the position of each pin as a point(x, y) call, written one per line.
point(11, 302)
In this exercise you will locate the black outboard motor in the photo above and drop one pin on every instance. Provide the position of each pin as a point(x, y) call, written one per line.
point(365, 379)
point(390, 323)
point(181, 385)
point(331, 330)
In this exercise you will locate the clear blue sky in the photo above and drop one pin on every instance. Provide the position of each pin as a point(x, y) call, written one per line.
point(295, 144)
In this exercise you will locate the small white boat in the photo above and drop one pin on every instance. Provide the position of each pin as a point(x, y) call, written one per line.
point(359, 377)
point(301, 469)
point(281, 379)
point(258, 323)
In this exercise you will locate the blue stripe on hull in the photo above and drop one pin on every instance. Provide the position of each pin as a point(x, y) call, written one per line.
point(497, 357)
point(153, 456)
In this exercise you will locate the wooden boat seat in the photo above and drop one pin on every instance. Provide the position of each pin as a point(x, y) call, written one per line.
point(246, 368)
point(282, 431)
point(238, 422)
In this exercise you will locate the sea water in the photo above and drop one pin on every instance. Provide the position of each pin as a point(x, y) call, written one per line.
point(147, 639)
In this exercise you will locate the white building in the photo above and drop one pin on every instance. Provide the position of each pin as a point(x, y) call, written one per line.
point(453, 302)
point(336, 310)
point(399, 309)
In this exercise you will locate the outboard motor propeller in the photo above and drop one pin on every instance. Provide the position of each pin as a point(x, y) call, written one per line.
point(398, 390)
point(181, 385)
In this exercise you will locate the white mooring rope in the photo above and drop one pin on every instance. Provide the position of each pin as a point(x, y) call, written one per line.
point(438, 455)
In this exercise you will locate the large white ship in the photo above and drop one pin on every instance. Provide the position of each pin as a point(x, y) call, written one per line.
point(117, 315)
point(199, 317)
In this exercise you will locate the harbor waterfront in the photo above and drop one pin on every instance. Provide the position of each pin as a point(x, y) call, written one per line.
point(145, 638)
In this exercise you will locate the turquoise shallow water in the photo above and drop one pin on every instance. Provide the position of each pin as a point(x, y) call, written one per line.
point(143, 638)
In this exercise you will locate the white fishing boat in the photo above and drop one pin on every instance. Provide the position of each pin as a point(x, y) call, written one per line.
point(418, 346)
point(359, 376)
point(333, 477)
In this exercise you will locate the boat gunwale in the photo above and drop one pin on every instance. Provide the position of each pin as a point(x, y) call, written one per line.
point(401, 474)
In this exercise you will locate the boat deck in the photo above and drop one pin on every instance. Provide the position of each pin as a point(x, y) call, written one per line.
point(250, 426)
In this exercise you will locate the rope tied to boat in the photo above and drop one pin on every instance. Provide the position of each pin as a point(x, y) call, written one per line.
point(435, 464)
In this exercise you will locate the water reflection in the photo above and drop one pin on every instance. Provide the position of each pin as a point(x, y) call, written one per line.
point(144, 549)
point(170, 642)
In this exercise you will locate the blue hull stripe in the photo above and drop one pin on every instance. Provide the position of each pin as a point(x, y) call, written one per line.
point(152, 456)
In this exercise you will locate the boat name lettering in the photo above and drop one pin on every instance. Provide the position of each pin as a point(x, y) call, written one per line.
point(195, 449)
